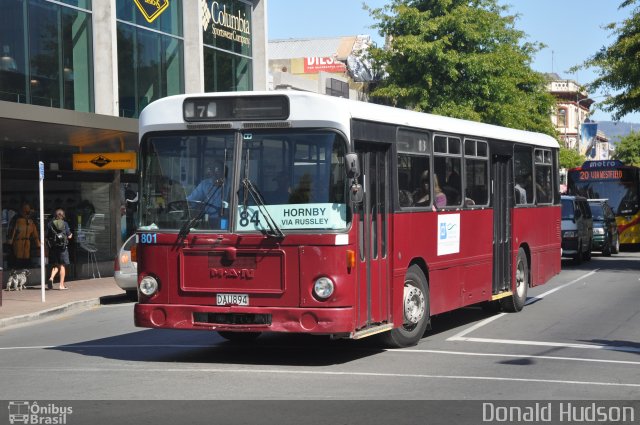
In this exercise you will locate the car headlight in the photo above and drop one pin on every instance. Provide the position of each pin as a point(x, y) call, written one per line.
point(598, 231)
point(148, 285)
point(569, 234)
point(323, 288)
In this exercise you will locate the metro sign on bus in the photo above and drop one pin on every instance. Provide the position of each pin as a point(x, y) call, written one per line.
point(151, 9)
point(313, 65)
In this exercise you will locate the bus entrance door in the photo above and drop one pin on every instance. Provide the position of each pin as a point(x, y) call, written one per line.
point(502, 199)
point(374, 274)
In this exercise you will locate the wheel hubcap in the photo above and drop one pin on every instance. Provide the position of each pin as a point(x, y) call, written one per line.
point(414, 305)
point(520, 279)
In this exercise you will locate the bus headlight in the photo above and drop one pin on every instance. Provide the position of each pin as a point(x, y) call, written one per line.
point(148, 286)
point(598, 231)
point(323, 288)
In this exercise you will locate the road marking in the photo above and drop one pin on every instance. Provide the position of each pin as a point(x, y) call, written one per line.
point(148, 370)
point(461, 335)
point(518, 356)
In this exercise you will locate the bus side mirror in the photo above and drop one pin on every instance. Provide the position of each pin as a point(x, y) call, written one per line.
point(356, 193)
point(352, 165)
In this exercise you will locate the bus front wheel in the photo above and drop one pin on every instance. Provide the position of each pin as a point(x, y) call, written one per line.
point(415, 306)
point(515, 302)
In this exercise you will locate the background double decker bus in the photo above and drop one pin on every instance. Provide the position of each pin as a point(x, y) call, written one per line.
point(335, 217)
point(620, 185)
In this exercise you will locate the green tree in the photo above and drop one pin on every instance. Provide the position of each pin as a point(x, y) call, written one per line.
point(617, 66)
point(460, 58)
point(570, 158)
point(628, 149)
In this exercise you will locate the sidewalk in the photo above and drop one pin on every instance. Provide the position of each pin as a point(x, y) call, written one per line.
point(23, 306)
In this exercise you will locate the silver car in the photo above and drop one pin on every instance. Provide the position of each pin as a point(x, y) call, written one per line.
point(126, 269)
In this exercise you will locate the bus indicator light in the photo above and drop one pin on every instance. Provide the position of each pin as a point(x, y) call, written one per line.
point(351, 259)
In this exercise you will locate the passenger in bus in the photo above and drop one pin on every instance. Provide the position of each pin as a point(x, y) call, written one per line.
point(422, 195)
point(282, 191)
point(302, 193)
point(453, 184)
point(440, 199)
point(520, 191)
point(210, 191)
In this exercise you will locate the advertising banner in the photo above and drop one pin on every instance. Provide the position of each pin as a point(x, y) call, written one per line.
point(313, 65)
point(588, 131)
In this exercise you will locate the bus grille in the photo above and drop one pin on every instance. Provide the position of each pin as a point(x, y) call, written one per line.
point(221, 126)
point(232, 318)
point(259, 125)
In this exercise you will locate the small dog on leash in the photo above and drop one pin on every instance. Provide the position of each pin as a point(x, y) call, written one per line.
point(17, 280)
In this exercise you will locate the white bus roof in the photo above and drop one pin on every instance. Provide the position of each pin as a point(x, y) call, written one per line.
point(317, 110)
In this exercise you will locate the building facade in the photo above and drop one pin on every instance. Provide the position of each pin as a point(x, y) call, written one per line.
point(74, 77)
point(571, 119)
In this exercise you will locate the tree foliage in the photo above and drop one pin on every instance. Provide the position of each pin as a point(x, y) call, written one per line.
point(618, 66)
point(628, 149)
point(570, 158)
point(460, 58)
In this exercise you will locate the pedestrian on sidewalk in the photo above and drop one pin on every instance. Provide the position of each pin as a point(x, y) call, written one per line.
point(58, 235)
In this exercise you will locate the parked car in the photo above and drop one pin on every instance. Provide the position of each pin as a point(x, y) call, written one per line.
point(605, 229)
point(577, 228)
point(126, 268)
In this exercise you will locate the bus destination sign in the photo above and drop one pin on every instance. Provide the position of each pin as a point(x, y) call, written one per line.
point(600, 175)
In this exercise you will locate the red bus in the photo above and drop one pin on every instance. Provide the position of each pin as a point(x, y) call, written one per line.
point(297, 212)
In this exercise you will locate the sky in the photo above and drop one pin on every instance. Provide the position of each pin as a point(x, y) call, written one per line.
point(572, 30)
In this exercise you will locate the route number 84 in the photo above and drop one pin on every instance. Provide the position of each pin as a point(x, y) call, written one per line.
point(247, 217)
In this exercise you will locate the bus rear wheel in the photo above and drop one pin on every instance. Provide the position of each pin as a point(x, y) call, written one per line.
point(415, 307)
point(515, 302)
point(239, 337)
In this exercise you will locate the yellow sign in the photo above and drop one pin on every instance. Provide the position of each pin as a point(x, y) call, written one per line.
point(151, 9)
point(104, 161)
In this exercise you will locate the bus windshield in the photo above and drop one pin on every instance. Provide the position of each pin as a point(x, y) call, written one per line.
point(621, 193)
point(286, 180)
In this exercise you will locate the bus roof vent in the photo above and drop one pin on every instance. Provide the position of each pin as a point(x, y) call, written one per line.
point(209, 126)
point(266, 124)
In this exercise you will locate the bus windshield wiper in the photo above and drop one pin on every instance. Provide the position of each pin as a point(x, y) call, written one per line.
point(186, 227)
point(274, 229)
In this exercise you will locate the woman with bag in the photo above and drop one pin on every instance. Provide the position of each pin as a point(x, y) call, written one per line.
point(58, 235)
point(22, 234)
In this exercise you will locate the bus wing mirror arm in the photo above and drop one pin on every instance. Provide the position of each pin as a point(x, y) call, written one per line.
point(352, 165)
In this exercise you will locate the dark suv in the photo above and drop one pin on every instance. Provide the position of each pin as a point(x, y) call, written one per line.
point(577, 228)
point(605, 229)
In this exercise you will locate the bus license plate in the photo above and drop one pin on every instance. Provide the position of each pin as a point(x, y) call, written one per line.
point(236, 299)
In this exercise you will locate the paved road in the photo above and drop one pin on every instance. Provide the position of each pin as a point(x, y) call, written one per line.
point(578, 339)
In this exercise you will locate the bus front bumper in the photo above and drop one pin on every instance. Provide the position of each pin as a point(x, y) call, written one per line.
point(246, 319)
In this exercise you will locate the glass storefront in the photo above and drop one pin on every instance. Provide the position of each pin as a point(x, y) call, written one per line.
point(46, 54)
point(227, 46)
point(150, 55)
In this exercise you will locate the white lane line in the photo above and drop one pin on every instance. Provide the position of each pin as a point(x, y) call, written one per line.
point(460, 336)
point(517, 356)
point(148, 370)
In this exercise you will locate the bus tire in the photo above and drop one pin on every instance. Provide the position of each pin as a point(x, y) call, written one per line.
point(239, 337)
point(415, 307)
point(515, 302)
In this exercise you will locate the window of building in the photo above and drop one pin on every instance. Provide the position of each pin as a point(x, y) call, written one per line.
point(561, 117)
point(54, 68)
point(227, 39)
point(337, 88)
point(150, 62)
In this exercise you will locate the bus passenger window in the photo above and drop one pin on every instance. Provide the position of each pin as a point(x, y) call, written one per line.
point(476, 171)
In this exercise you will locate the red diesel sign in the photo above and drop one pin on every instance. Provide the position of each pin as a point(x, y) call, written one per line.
point(313, 65)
